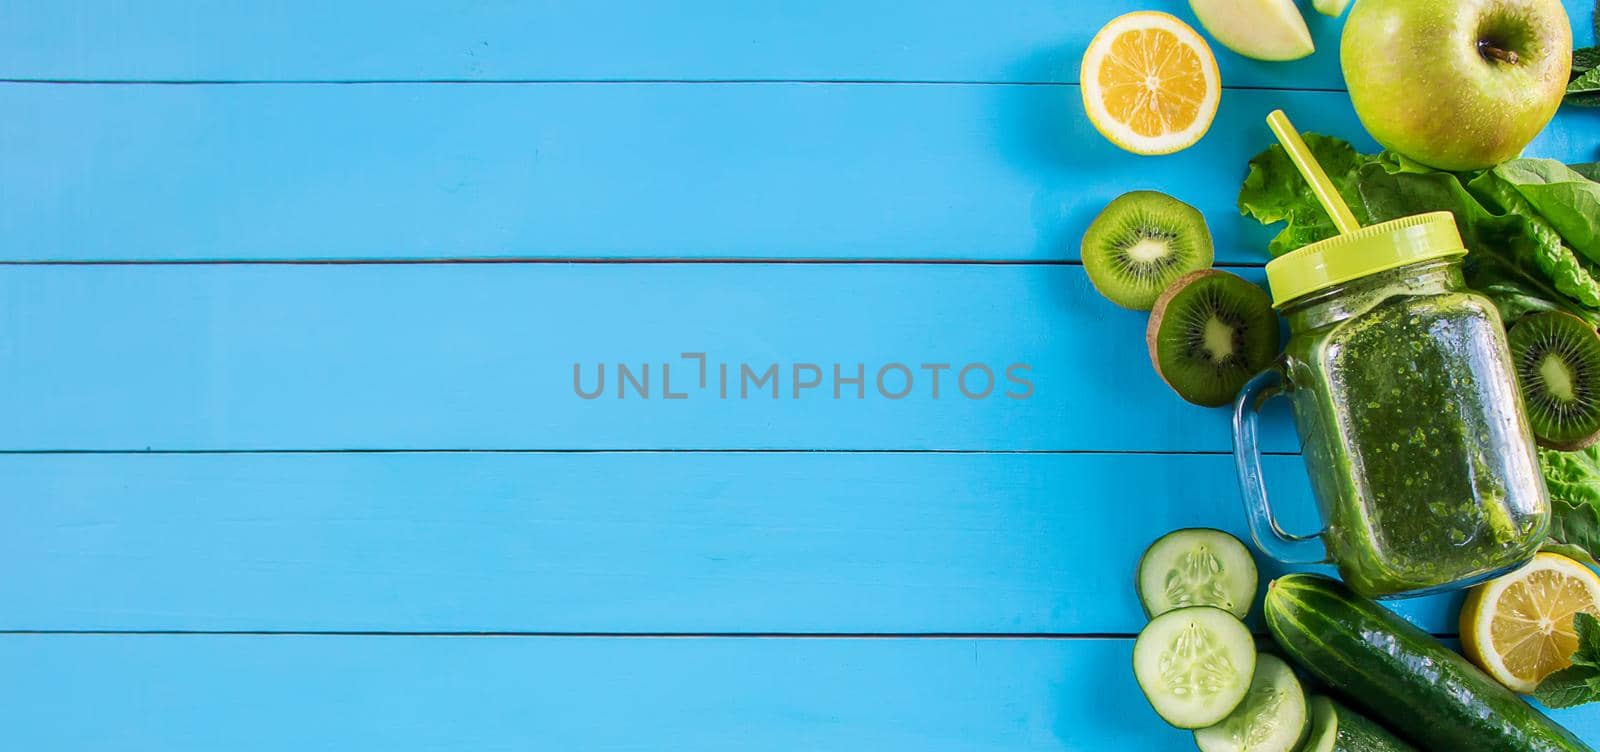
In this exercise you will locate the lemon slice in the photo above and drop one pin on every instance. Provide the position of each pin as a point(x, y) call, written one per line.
point(1519, 627)
point(1150, 83)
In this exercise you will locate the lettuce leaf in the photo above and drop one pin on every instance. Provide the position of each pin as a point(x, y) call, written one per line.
point(1515, 219)
point(1274, 192)
point(1574, 482)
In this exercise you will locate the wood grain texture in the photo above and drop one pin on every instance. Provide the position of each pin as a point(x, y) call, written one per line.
point(1032, 41)
point(943, 40)
point(481, 356)
point(612, 543)
point(405, 694)
point(950, 131)
point(787, 171)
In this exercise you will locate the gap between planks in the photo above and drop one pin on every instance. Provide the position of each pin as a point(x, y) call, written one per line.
point(578, 260)
point(1044, 452)
point(587, 82)
point(1061, 636)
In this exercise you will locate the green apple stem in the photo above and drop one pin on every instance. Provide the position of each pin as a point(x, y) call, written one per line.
point(1489, 50)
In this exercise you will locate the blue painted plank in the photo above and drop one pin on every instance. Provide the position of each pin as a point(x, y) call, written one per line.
point(482, 356)
point(652, 542)
point(403, 694)
point(943, 40)
point(606, 171)
point(1029, 41)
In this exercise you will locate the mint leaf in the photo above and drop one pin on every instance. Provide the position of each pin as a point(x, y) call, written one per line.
point(1584, 90)
point(1579, 683)
point(1585, 60)
point(1586, 83)
point(1588, 629)
point(1567, 688)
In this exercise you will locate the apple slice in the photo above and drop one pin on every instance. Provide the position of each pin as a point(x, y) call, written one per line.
point(1334, 8)
point(1259, 29)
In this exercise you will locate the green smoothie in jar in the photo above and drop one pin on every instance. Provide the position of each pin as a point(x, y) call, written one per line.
point(1413, 421)
point(1405, 399)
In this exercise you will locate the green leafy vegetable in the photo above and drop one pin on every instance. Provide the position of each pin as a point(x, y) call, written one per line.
point(1584, 91)
point(1574, 482)
point(1274, 191)
point(1569, 201)
point(1532, 230)
point(1579, 683)
point(1514, 218)
point(1519, 234)
point(1585, 62)
point(1573, 477)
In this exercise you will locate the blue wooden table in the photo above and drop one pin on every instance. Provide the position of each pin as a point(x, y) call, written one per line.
point(291, 304)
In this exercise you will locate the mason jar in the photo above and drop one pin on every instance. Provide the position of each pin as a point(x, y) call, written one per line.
point(1411, 424)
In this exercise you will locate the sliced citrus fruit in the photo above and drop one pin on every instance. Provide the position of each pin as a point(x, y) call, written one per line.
point(1519, 627)
point(1150, 83)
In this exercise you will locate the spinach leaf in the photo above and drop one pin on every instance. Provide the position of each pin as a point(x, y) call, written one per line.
point(1517, 253)
point(1568, 201)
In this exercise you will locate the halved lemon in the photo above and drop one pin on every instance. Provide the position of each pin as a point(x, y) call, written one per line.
point(1519, 627)
point(1150, 83)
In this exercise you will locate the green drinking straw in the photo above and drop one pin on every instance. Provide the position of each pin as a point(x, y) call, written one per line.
point(1326, 194)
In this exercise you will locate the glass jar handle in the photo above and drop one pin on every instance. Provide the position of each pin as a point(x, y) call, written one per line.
point(1269, 536)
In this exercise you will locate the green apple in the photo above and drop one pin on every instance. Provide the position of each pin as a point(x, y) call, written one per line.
point(1334, 8)
point(1260, 29)
point(1456, 84)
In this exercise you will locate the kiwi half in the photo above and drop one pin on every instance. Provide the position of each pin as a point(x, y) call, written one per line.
point(1557, 357)
point(1209, 333)
point(1142, 242)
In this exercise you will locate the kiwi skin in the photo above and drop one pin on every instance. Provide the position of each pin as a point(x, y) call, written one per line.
point(1152, 332)
point(1579, 349)
point(1158, 314)
point(1153, 216)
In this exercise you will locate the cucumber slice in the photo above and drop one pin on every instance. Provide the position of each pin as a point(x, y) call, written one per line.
point(1274, 716)
point(1196, 567)
point(1324, 726)
point(1194, 665)
point(1336, 728)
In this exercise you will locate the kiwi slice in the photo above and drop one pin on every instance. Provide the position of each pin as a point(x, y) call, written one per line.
point(1557, 357)
point(1142, 242)
point(1209, 333)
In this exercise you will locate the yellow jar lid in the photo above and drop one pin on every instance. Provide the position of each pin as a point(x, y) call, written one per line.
point(1367, 251)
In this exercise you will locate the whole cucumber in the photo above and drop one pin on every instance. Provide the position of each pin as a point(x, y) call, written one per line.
point(1401, 674)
